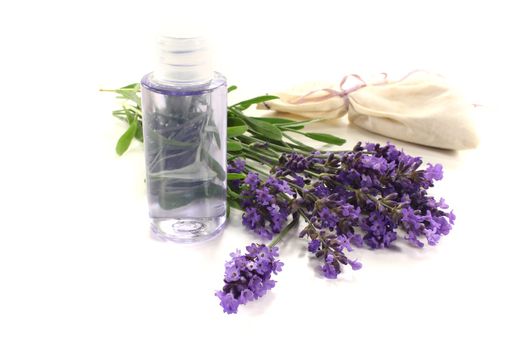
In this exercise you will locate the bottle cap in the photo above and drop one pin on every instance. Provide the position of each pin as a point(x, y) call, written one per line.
point(183, 60)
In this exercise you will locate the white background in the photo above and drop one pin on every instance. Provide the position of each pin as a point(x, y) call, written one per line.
point(78, 269)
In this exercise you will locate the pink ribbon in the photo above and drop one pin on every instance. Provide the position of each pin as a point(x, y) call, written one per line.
point(343, 93)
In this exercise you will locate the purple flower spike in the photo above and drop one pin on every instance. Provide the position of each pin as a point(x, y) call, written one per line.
point(252, 179)
point(265, 211)
point(236, 166)
point(314, 245)
point(228, 302)
point(434, 172)
point(248, 277)
point(331, 267)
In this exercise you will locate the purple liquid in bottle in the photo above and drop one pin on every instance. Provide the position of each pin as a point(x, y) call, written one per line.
point(184, 121)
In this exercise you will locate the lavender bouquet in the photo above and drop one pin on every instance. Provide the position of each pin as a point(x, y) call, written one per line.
point(365, 197)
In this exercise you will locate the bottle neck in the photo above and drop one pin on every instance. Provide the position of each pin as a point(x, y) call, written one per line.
point(183, 61)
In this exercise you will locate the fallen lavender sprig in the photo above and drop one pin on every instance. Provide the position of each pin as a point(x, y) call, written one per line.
point(348, 200)
point(248, 276)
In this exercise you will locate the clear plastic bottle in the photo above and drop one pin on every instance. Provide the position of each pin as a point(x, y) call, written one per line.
point(184, 120)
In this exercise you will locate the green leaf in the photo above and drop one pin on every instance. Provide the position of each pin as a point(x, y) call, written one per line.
point(170, 199)
point(129, 92)
point(129, 95)
point(231, 88)
point(298, 144)
point(233, 203)
point(292, 127)
point(236, 176)
point(120, 114)
point(134, 86)
point(247, 103)
point(305, 122)
point(265, 129)
point(282, 123)
point(139, 133)
point(326, 138)
point(233, 194)
point(236, 127)
point(211, 128)
point(130, 115)
point(125, 140)
point(233, 146)
point(276, 120)
point(213, 164)
point(236, 130)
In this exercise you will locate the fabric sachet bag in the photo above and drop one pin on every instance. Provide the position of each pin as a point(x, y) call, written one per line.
point(421, 108)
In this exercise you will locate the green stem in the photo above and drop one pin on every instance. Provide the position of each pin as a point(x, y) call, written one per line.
point(324, 166)
point(298, 188)
point(263, 158)
point(284, 231)
point(268, 152)
point(305, 217)
point(299, 144)
point(306, 122)
point(271, 144)
point(259, 171)
point(134, 109)
point(233, 194)
point(373, 198)
point(316, 175)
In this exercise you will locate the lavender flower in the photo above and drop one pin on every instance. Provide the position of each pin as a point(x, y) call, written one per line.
point(379, 229)
point(327, 243)
point(236, 166)
point(248, 277)
point(363, 197)
point(434, 172)
point(296, 163)
point(265, 204)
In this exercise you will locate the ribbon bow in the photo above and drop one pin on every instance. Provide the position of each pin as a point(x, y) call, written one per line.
point(343, 93)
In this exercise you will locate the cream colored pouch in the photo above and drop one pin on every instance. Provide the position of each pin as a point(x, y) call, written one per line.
point(421, 108)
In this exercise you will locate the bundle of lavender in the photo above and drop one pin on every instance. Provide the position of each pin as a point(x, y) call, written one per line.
point(366, 197)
